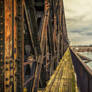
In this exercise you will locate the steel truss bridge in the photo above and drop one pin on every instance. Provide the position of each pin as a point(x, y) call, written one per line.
point(34, 49)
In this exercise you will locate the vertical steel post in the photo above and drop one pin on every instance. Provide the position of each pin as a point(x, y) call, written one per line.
point(2, 44)
point(8, 65)
point(14, 43)
point(20, 45)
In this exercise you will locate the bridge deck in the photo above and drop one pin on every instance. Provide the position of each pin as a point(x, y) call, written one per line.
point(64, 78)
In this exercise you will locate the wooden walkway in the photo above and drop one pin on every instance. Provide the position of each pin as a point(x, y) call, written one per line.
point(64, 78)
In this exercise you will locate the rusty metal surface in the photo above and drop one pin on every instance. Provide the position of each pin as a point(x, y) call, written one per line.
point(7, 34)
point(42, 45)
point(20, 45)
point(41, 33)
point(8, 46)
point(2, 44)
point(32, 26)
point(47, 40)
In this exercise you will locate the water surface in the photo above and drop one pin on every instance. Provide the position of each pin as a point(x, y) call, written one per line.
point(89, 55)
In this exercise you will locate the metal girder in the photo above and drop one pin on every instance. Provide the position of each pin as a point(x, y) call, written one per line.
point(20, 45)
point(42, 46)
point(2, 44)
point(48, 46)
point(33, 33)
point(7, 45)
point(8, 83)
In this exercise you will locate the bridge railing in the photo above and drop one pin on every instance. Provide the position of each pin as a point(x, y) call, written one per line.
point(83, 72)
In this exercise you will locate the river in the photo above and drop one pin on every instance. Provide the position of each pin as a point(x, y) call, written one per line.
point(89, 55)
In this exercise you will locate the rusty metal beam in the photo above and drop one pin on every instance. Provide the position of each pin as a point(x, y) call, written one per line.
point(42, 46)
point(47, 46)
point(28, 62)
point(2, 44)
point(33, 33)
point(28, 80)
point(32, 26)
point(20, 45)
point(9, 62)
point(7, 44)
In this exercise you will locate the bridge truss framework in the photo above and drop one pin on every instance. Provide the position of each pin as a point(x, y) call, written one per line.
point(35, 24)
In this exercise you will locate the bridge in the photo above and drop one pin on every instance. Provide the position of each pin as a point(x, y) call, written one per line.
point(82, 48)
point(35, 55)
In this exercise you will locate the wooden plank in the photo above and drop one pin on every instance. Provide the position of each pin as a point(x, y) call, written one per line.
point(62, 80)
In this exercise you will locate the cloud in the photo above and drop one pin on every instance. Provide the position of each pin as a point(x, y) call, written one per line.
point(79, 21)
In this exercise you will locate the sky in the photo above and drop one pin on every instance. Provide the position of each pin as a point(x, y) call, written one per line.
point(79, 21)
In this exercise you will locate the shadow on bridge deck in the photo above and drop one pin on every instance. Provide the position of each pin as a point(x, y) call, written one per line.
point(64, 78)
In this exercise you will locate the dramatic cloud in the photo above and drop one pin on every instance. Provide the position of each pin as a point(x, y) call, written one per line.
point(79, 21)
